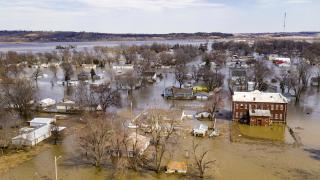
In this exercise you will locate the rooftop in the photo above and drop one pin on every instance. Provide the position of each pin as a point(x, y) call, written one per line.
point(42, 120)
point(175, 165)
point(258, 96)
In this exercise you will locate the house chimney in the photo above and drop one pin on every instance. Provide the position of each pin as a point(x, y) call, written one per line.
point(254, 99)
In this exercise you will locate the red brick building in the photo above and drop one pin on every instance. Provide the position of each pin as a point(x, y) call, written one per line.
point(259, 108)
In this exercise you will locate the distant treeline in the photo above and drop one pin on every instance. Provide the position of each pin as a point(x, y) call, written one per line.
point(47, 36)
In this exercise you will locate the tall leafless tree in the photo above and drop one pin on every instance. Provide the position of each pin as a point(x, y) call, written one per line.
point(95, 141)
point(181, 74)
point(20, 96)
point(200, 158)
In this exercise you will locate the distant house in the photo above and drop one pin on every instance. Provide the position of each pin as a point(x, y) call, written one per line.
point(89, 66)
point(83, 76)
point(123, 67)
point(202, 96)
point(47, 102)
point(199, 88)
point(66, 106)
point(149, 76)
point(44, 65)
point(255, 104)
point(39, 130)
point(178, 93)
point(177, 167)
point(315, 81)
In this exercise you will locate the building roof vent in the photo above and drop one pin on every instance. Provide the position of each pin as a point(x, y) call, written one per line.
point(254, 99)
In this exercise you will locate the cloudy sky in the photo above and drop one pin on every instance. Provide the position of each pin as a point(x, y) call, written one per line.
point(160, 16)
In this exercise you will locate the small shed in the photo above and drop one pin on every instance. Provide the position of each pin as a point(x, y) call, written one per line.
point(177, 167)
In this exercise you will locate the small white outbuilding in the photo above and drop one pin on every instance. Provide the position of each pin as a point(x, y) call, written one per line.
point(47, 102)
point(39, 130)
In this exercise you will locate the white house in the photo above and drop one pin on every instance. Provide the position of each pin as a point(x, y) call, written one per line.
point(89, 66)
point(39, 130)
point(47, 102)
point(122, 67)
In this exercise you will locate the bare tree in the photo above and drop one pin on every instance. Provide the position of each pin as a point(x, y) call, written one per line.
point(20, 96)
point(212, 79)
point(317, 76)
point(260, 72)
point(55, 133)
point(202, 164)
point(161, 133)
point(83, 96)
point(36, 74)
point(54, 70)
point(214, 103)
point(68, 71)
point(95, 140)
point(106, 96)
point(181, 74)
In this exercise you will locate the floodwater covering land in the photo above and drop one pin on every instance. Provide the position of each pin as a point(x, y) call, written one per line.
point(242, 154)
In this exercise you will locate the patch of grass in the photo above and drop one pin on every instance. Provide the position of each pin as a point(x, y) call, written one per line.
point(275, 132)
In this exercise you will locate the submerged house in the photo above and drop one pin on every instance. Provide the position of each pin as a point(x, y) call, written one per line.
point(259, 108)
point(149, 76)
point(200, 130)
point(39, 130)
point(178, 93)
point(177, 167)
point(67, 106)
point(315, 81)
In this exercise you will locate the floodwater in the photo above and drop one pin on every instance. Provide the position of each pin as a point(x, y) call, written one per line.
point(249, 159)
point(51, 46)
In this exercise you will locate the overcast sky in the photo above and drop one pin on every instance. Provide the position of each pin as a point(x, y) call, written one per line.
point(160, 16)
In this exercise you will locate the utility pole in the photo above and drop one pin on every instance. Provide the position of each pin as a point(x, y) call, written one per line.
point(284, 22)
point(55, 165)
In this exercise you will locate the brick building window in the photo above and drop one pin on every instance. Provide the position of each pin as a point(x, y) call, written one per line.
point(276, 116)
point(241, 106)
point(237, 115)
point(281, 107)
point(277, 108)
point(280, 116)
point(237, 106)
